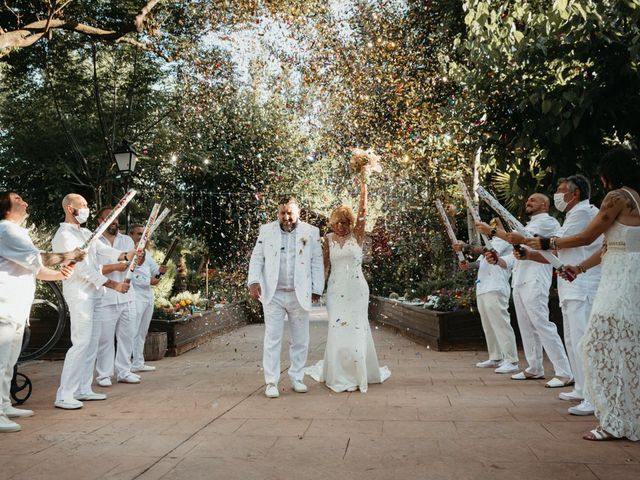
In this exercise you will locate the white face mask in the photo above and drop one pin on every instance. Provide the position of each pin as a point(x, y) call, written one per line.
point(559, 202)
point(83, 215)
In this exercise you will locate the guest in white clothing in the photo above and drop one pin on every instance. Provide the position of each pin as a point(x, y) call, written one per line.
point(81, 293)
point(492, 296)
point(20, 264)
point(115, 313)
point(576, 297)
point(286, 274)
point(145, 276)
point(531, 282)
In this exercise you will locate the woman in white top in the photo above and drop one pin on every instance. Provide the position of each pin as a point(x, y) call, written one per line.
point(20, 264)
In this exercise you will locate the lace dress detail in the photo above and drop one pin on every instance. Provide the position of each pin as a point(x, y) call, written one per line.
point(611, 343)
point(350, 360)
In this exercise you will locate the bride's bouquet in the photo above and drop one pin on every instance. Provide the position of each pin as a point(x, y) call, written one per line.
point(365, 162)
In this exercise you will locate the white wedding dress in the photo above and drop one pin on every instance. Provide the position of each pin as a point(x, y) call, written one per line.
point(611, 343)
point(350, 360)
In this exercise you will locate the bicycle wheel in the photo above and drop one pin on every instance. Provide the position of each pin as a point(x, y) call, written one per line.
point(21, 387)
point(46, 321)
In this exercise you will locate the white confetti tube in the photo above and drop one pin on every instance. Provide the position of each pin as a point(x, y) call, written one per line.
point(158, 221)
point(447, 226)
point(110, 218)
point(143, 241)
point(474, 213)
point(515, 224)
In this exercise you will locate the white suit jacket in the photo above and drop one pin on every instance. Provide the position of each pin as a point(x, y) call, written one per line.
point(264, 266)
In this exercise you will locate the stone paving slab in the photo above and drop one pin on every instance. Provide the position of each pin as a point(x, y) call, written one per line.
point(203, 415)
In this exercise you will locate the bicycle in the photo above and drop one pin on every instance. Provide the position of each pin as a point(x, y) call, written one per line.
point(47, 321)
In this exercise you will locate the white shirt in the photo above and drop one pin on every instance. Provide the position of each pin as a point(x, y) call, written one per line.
point(20, 262)
point(122, 243)
point(586, 284)
point(494, 278)
point(528, 271)
point(142, 278)
point(287, 260)
point(87, 279)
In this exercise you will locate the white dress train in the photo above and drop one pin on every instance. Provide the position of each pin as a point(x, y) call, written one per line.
point(350, 361)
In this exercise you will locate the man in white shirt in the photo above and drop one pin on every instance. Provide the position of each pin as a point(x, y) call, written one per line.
point(286, 273)
point(492, 296)
point(81, 293)
point(115, 313)
point(576, 297)
point(531, 282)
point(143, 279)
point(20, 264)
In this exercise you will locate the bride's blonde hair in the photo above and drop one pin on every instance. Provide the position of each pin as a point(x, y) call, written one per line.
point(343, 212)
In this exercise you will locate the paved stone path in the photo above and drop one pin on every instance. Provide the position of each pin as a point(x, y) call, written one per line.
point(203, 416)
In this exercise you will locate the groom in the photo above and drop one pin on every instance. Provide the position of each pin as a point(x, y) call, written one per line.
point(286, 273)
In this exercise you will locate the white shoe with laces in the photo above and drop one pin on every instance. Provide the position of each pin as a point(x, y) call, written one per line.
point(104, 382)
point(13, 412)
point(7, 425)
point(507, 367)
point(143, 368)
point(131, 378)
point(71, 404)
point(299, 387)
point(272, 391)
point(583, 408)
point(488, 364)
point(571, 396)
point(91, 396)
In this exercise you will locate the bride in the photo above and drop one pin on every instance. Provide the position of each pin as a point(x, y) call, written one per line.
point(350, 361)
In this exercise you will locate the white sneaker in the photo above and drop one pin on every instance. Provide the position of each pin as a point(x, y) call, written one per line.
point(143, 368)
point(299, 387)
point(488, 364)
point(13, 412)
point(570, 396)
point(131, 378)
point(583, 408)
point(507, 367)
point(7, 425)
point(272, 391)
point(71, 404)
point(87, 397)
point(104, 382)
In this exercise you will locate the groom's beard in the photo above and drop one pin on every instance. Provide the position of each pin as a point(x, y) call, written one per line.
point(288, 227)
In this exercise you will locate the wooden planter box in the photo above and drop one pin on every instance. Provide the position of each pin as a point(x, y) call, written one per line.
point(186, 334)
point(460, 330)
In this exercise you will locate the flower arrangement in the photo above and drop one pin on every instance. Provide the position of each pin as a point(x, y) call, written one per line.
point(446, 300)
point(365, 162)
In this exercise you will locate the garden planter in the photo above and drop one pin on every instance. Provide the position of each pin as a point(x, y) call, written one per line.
point(186, 333)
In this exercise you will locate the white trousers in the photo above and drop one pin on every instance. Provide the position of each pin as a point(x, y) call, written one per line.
point(496, 323)
point(10, 346)
point(144, 312)
point(285, 304)
point(575, 316)
point(538, 332)
point(117, 322)
point(80, 357)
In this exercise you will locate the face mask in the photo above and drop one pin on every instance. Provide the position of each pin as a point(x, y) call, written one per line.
point(82, 215)
point(558, 202)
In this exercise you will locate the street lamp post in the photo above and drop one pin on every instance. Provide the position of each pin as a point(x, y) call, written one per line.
point(126, 160)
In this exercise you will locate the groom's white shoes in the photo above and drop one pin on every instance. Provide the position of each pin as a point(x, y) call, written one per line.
point(272, 391)
point(299, 387)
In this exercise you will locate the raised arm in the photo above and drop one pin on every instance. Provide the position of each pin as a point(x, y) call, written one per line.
point(361, 219)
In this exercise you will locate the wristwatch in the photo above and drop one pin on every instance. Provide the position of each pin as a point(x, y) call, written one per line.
point(125, 256)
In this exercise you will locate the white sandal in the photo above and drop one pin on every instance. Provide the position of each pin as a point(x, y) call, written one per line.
point(598, 434)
